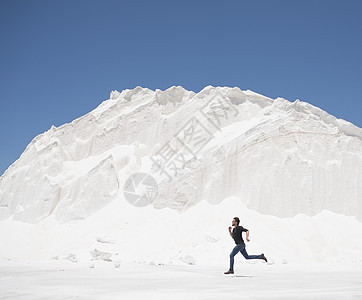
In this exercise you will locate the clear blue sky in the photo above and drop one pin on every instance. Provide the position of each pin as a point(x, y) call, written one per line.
point(60, 59)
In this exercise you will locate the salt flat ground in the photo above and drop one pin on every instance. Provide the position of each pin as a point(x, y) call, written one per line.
point(135, 280)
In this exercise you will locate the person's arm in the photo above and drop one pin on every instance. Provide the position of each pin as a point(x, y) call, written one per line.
point(231, 234)
point(247, 236)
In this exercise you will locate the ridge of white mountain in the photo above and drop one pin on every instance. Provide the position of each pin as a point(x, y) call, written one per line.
point(279, 157)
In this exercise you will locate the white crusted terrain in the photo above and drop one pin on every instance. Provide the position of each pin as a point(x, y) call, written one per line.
point(73, 224)
point(280, 158)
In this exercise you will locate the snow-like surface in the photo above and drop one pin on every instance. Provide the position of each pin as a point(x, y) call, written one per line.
point(165, 236)
point(290, 171)
point(128, 252)
point(280, 158)
point(143, 281)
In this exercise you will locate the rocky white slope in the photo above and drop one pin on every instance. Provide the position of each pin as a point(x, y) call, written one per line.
point(280, 158)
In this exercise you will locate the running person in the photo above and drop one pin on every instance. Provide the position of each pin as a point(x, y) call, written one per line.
point(236, 234)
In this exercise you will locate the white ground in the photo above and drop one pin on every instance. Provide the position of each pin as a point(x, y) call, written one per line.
point(290, 171)
point(67, 280)
point(158, 254)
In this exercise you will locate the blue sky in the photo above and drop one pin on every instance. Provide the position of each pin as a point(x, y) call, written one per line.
point(61, 59)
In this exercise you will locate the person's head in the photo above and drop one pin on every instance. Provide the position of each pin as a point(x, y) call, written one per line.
point(236, 221)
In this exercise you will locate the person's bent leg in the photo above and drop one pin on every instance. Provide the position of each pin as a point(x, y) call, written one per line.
point(247, 256)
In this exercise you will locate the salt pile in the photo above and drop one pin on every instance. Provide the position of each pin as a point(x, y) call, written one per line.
point(173, 167)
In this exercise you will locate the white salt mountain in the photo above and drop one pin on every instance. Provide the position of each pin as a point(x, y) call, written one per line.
point(280, 158)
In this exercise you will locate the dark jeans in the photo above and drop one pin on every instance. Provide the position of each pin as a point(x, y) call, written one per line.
point(241, 248)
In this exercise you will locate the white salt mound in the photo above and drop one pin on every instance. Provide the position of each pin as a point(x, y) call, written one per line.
point(291, 171)
point(281, 158)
